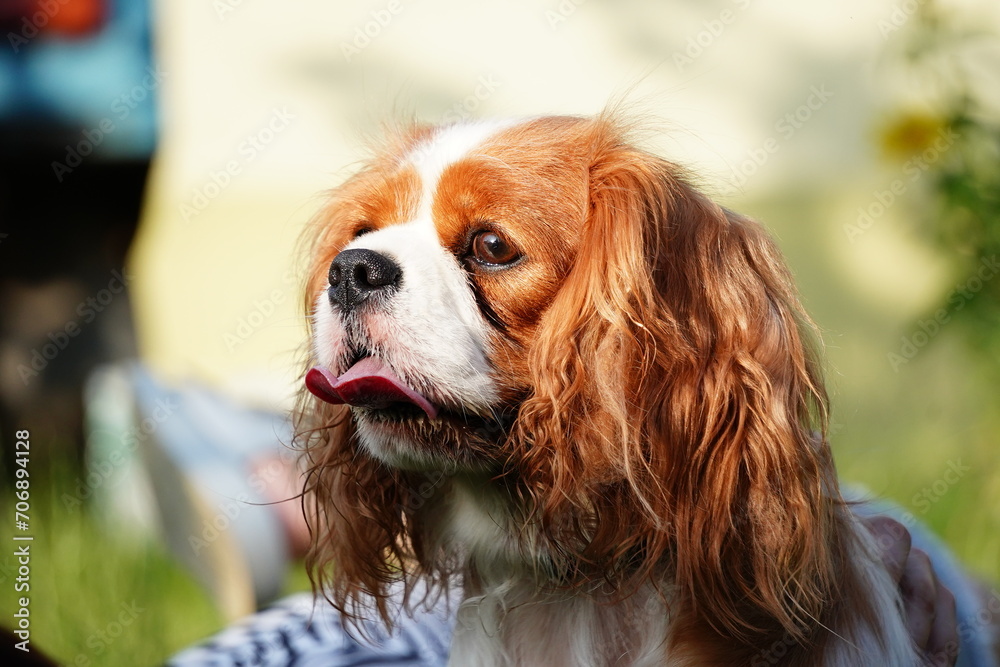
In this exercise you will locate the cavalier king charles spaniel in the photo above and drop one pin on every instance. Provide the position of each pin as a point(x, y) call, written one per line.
point(551, 374)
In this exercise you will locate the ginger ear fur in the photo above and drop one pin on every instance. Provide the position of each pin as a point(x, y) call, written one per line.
point(676, 403)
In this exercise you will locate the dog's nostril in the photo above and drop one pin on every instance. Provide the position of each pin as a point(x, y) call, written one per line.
point(334, 274)
point(375, 274)
point(361, 277)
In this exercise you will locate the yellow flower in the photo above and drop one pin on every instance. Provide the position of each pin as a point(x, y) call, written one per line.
point(910, 133)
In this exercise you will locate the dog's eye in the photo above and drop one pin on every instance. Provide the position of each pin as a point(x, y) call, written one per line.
point(364, 229)
point(491, 248)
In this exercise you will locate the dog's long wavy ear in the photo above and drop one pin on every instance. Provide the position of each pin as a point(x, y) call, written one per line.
point(353, 509)
point(678, 413)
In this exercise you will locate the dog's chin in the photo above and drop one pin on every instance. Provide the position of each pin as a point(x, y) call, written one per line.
point(403, 437)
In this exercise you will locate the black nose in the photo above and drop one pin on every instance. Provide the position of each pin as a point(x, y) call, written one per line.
point(357, 275)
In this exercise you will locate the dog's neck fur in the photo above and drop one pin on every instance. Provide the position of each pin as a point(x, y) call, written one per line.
point(508, 616)
point(513, 614)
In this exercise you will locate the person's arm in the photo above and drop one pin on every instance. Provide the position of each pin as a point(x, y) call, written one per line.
point(929, 605)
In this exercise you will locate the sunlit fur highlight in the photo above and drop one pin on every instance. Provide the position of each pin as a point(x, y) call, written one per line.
point(670, 432)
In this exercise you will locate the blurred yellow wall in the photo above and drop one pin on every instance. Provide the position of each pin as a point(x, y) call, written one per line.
point(267, 104)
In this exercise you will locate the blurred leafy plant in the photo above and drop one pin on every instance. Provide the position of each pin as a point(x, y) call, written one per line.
point(952, 75)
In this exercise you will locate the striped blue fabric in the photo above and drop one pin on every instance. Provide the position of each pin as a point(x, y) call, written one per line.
point(298, 632)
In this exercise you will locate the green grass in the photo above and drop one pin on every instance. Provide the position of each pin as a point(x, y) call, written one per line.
point(100, 597)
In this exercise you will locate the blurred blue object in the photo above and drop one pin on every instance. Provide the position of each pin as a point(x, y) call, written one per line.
point(99, 87)
point(179, 460)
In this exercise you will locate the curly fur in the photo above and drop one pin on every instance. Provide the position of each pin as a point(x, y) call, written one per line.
point(668, 444)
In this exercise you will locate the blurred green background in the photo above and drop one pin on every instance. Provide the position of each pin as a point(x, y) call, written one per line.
point(863, 134)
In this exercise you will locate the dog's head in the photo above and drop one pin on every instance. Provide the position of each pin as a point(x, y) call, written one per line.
point(542, 303)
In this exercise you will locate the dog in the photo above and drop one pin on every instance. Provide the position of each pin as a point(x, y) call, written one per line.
point(548, 372)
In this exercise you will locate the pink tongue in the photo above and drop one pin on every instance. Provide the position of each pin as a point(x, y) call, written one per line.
point(367, 384)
